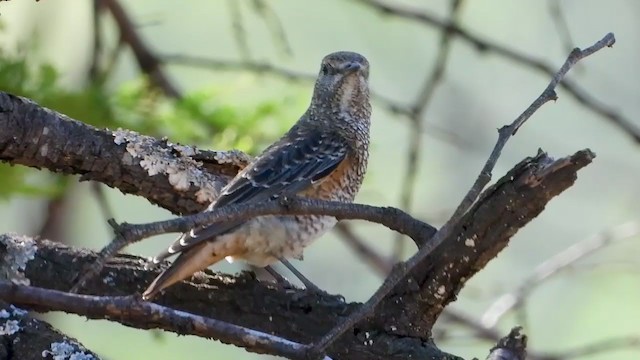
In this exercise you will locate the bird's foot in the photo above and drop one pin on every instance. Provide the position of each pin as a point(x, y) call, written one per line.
point(280, 280)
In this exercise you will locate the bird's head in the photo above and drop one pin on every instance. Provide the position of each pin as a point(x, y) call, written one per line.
point(343, 84)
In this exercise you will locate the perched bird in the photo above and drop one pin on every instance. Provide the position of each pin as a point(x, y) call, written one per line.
point(323, 156)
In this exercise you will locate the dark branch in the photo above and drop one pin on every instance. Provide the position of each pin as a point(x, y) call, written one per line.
point(24, 337)
point(146, 59)
point(510, 347)
point(145, 315)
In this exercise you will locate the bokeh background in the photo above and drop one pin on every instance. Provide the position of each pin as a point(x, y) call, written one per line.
point(47, 53)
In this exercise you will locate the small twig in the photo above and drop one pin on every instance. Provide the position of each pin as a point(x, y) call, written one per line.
point(392, 218)
point(253, 66)
point(96, 52)
point(476, 326)
point(434, 79)
point(510, 347)
point(58, 208)
point(272, 20)
point(408, 12)
point(402, 269)
point(146, 59)
point(562, 27)
point(555, 265)
point(130, 310)
point(239, 32)
point(506, 132)
point(101, 199)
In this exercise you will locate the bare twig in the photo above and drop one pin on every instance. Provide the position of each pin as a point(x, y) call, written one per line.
point(101, 198)
point(239, 31)
point(96, 52)
point(402, 269)
point(507, 131)
point(272, 20)
point(253, 66)
point(562, 27)
point(418, 111)
point(130, 310)
point(57, 211)
point(146, 59)
point(555, 265)
point(480, 331)
point(607, 112)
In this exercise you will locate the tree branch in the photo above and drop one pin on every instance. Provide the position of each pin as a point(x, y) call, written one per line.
point(402, 323)
point(182, 179)
point(146, 59)
point(23, 337)
point(510, 347)
point(146, 315)
point(553, 266)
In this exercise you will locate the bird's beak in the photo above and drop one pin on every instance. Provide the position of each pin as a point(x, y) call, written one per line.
point(352, 67)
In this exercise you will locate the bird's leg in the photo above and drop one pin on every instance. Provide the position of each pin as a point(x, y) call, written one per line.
point(307, 283)
point(279, 278)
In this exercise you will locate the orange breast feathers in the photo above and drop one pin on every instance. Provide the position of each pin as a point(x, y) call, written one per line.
point(340, 185)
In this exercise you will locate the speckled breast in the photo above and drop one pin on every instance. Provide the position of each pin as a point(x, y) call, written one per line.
point(342, 185)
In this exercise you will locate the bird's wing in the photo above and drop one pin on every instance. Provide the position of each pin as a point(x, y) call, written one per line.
point(286, 167)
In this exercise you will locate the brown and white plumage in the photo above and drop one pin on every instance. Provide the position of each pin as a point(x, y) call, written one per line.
point(324, 156)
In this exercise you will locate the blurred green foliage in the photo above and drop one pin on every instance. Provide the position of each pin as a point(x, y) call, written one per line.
point(206, 118)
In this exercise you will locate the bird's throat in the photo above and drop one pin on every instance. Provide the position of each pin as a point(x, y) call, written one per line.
point(351, 90)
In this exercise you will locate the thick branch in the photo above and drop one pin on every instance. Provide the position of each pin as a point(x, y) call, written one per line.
point(402, 325)
point(178, 178)
point(23, 337)
point(146, 315)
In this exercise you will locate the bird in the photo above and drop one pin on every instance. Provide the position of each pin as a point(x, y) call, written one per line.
point(323, 156)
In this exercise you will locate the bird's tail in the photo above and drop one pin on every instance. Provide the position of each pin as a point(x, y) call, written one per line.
point(188, 263)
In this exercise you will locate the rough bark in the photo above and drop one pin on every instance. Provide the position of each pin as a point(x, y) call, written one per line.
point(180, 178)
point(22, 338)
